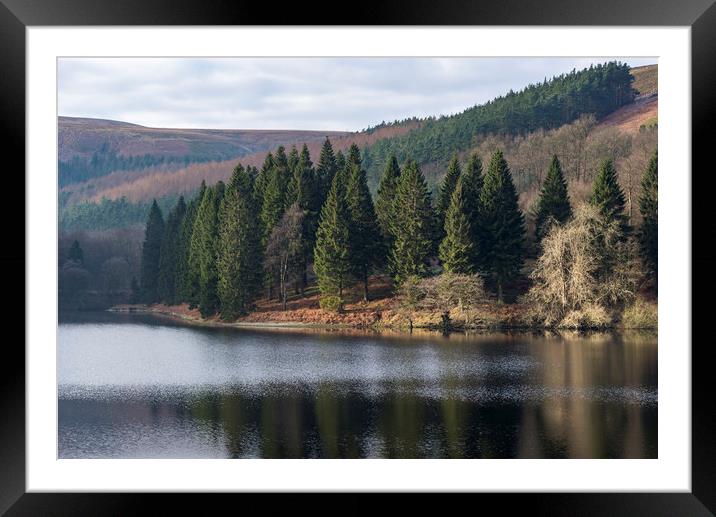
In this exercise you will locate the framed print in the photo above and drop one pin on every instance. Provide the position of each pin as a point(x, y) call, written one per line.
point(421, 253)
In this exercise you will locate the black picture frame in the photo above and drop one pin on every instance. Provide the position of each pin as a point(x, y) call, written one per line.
point(700, 15)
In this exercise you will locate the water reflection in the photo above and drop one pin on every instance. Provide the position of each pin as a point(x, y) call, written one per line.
point(130, 387)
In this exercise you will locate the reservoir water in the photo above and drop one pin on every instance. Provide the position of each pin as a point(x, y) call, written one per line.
point(139, 386)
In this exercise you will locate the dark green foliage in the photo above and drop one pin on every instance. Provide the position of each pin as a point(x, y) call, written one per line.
point(325, 170)
point(168, 287)
point(502, 222)
point(238, 248)
point(457, 252)
point(274, 200)
point(331, 254)
point(553, 205)
point(292, 186)
point(353, 155)
point(75, 254)
point(365, 246)
point(412, 226)
point(108, 213)
point(340, 162)
point(599, 90)
point(151, 250)
point(608, 196)
point(188, 271)
point(202, 253)
point(384, 202)
point(135, 292)
point(648, 206)
point(446, 190)
point(472, 181)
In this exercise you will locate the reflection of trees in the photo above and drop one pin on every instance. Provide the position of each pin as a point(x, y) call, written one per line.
point(576, 417)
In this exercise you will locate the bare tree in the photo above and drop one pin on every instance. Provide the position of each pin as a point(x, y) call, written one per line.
point(449, 291)
point(285, 249)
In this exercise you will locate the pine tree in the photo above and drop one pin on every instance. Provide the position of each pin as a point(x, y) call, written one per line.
point(553, 205)
point(151, 250)
point(203, 249)
point(263, 178)
point(365, 247)
point(340, 162)
point(412, 225)
point(384, 201)
point(188, 269)
point(274, 201)
point(331, 254)
point(353, 155)
point(503, 229)
point(648, 206)
point(472, 182)
point(608, 196)
point(169, 257)
point(457, 248)
point(445, 192)
point(238, 248)
point(325, 170)
point(292, 186)
point(75, 254)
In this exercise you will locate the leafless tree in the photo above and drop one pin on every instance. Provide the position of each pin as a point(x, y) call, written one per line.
point(285, 249)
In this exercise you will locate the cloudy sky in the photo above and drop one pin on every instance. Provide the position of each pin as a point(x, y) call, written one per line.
point(292, 93)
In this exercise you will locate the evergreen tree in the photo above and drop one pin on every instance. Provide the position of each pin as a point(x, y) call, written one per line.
point(553, 205)
point(340, 162)
point(274, 201)
point(75, 254)
point(445, 192)
point(503, 229)
point(472, 182)
point(325, 170)
point(608, 196)
point(332, 254)
point(188, 269)
point(169, 257)
point(203, 249)
point(365, 247)
point(384, 202)
point(263, 178)
point(151, 250)
point(412, 226)
point(353, 155)
point(648, 206)
point(238, 248)
point(457, 248)
point(292, 186)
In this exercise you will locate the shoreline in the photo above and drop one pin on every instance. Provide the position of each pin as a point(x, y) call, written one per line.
point(377, 326)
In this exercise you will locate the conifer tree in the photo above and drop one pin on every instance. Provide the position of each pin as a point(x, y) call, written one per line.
point(365, 247)
point(412, 226)
point(238, 248)
point(331, 254)
point(384, 201)
point(188, 269)
point(648, 206)
point(169, 257)
point(445, 192)
point(274, 201)
point(472, 182)
point(75, 254)
point(151, 250)
point(503, 229)
point(325, 170)
point(203, 249)
point(292, 186)
point(340, 162)
point(553, 205)
point(456, 249)
point(353, 155)
point(262, 178)
point(608, 196)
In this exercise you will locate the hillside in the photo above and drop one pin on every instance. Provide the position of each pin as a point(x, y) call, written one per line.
point(165, 170)
point(90, 148)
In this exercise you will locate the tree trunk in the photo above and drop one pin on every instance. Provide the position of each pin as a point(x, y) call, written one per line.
point(365, 287)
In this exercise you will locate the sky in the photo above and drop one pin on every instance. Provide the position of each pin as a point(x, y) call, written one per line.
point(347, 94)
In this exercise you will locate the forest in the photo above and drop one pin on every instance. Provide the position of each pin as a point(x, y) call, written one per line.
point(270, 231)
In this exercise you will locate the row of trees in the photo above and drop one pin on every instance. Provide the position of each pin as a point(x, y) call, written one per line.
point(265, 228)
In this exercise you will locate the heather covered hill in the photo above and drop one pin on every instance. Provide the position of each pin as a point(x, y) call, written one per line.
point(91, 148)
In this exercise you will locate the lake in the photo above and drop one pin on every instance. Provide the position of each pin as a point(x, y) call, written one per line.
point(142, 386)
